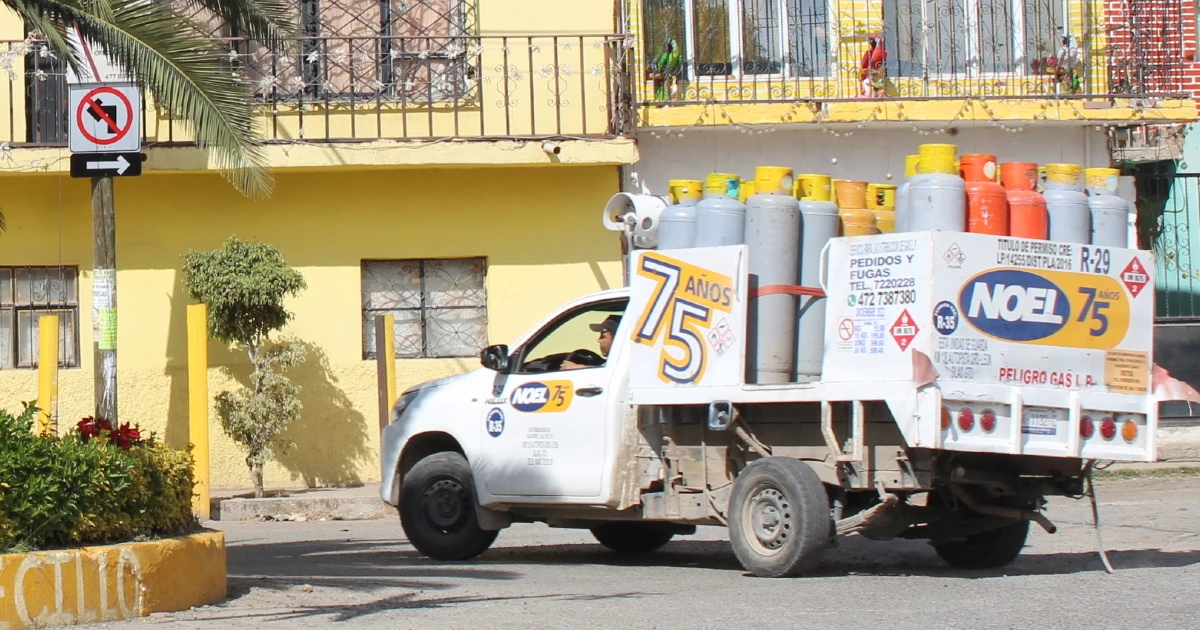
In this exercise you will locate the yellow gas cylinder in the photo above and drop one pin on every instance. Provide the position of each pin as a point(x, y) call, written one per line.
point(881, 201)
point(851, 196)
point(745, 190)
point(680, 190)
point(1101, 180)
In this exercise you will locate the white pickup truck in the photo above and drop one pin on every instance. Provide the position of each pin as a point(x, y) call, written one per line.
point(965, 378)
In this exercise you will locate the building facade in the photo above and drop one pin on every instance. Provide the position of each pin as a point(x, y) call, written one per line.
point(443, 161)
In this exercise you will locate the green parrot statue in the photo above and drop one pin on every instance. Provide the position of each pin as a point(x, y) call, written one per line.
point(668, 66)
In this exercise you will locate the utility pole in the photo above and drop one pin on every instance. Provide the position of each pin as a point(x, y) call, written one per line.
point(104, 298)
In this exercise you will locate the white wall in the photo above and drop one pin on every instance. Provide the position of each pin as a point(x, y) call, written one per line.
point(869, 154)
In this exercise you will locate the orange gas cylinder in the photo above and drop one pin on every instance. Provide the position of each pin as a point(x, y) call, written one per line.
point(851, 196)
point(987, 203)
point(1027, 217)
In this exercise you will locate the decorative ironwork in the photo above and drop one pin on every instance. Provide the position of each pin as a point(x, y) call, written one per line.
point(27, 293)
point(787, 50)
point(439, 306)
point(1167, 223)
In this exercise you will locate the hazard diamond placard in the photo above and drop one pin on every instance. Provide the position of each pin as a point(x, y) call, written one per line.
point(1135, 277)
point(904, 330)
point(105, 118)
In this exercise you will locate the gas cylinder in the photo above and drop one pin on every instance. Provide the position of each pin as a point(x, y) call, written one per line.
point(1110, 213)
point(881, 201)
point(937, 197)
point(1026, 209)
point(677, 224)
point(987, 203)
point(773, 238)
point(902, 206)
point(820, 223)
point(852, 206)
point(1070, 217)
point(720, 217)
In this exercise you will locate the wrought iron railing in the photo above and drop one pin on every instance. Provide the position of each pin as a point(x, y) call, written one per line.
point(789, 50)
point(346, 89)
point(1169, 224)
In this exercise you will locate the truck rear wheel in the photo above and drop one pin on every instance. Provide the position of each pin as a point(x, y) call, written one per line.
point(631, 538)
point(437, 509)
point(986, 550)
point(779, 518)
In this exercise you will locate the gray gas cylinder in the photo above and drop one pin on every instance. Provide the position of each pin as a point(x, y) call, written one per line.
point(936, 201)
point(720, 217)
point(773, 238)
point(1069, 215)
point(902, 208)
point(677, 224)
point(1110, 220)
point(820, 223)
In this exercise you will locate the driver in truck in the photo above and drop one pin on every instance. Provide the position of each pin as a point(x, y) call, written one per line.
point(607, 329)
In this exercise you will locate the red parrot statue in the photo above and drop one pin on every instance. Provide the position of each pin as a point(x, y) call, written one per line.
point(871, 72)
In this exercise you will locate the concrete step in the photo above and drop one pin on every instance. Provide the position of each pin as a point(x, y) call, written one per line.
point(310, 504)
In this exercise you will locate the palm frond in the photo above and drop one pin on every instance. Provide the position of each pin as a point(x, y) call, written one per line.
point(187, 73)
point(272, 22)
point(51, 23)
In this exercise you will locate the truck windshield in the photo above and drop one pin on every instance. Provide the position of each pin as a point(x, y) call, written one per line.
point(578, 339)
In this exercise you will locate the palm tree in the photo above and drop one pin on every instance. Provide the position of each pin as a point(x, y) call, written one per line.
point(182, 65)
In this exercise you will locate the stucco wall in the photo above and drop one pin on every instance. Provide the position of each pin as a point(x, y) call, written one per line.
point(539, 229)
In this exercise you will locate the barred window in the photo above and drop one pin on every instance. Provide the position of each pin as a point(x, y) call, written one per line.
point(439, 306)
point(750, 37)
point(27, 293)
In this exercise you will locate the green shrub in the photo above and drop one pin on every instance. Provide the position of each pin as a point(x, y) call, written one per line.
point(79, 489)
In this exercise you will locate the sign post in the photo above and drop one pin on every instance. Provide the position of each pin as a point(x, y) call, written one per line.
point(105, 142)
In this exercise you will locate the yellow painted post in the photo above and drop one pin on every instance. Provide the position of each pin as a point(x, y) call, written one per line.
point(389, 333)
point(48, 374)
point(197, 323)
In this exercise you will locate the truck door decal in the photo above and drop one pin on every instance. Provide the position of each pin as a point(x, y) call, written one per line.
point(686, 296)
point(547, 397)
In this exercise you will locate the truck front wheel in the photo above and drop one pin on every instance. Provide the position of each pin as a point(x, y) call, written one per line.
point(779, 518)
point(437, 509)
point(632, 538)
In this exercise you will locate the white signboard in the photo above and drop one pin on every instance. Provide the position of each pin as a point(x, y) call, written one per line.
point(690, 306)
point(105, 119)
point(97, 67)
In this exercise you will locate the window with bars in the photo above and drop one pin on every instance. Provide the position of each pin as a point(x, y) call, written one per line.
point(439, 306)
point(741, 37)
point(930, 37)
point(27, 293)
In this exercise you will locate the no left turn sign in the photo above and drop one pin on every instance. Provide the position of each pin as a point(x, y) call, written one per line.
point(105, 119)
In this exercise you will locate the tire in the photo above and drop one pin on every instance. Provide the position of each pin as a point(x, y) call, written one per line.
point(631, 539)
point(779, 518)
point(987, 550)
point(437, 509)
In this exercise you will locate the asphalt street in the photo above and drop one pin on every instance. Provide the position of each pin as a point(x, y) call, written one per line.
point(364, 574)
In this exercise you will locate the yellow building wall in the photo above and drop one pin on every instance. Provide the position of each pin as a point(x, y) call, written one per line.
point(538, 227)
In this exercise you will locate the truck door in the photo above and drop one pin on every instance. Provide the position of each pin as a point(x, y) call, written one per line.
point(546, 423)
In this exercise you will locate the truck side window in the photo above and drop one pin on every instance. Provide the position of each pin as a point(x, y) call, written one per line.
point(577, 340)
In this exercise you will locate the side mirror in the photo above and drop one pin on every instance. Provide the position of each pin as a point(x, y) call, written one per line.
point(495, 358)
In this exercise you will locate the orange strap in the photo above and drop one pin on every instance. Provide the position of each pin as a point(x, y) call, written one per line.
point(786, 289)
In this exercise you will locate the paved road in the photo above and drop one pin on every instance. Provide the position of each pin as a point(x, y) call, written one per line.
point(316, 575)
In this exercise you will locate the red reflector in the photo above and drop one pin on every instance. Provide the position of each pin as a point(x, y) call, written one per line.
point(1087, 428)
point(987, 420)
point(966, 420)
point(1108, 428)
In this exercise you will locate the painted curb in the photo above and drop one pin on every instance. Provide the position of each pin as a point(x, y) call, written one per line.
point(111, 583)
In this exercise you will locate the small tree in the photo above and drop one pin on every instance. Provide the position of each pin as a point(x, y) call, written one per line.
point(244, 285)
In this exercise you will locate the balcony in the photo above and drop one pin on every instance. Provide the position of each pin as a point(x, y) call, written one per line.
point(339, 90)
point(773, 61)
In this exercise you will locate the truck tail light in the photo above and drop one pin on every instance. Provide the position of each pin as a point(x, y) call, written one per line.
point(1087, 428)
point(966, 420)
point(1129, 431)
point(945, 418)
point(1108, 428)
point(987, 420)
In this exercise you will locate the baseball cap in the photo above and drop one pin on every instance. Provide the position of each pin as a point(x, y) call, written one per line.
point(609, 324)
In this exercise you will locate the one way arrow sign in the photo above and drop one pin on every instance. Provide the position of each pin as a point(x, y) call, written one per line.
point(106, 164)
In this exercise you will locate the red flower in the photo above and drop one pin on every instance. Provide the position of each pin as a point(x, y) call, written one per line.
point(124, 437)
point(87, 429)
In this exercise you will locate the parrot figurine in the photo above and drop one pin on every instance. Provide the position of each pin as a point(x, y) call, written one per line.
point(667, 67)
point(871, 72)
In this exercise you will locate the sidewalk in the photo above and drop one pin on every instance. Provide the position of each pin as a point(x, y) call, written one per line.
point(300, 504)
